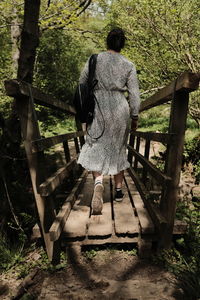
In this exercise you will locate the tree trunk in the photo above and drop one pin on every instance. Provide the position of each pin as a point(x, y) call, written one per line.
point(15, 38)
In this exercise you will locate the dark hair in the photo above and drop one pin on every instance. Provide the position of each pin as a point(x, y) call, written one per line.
point(116, 39)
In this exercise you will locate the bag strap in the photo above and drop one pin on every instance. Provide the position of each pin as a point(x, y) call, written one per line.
point(92, 68)
point(91, 84)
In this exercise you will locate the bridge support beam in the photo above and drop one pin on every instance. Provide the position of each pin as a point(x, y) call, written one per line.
point(178, 118)
point(29, 125)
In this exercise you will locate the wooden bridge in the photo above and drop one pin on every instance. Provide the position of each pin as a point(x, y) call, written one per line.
point(147, 212)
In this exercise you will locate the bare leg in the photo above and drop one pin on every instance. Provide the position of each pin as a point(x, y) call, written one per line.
point(119, 179)
point(97, 176)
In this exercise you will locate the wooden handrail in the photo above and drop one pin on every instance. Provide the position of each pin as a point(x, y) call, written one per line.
point(186, 81)
point(47, 187)
point(63, 214)
point(155, 172)
point(165, 138)
point(41, 144)
point(16, 88)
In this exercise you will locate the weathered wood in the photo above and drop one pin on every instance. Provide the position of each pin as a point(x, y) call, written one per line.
point(29, 41)
point(76, 224)
point(156, 215)
point(44, 143)
point(186, 81)
point(131, 143)
point(76, 145)
point(67, 152)
point(103, 241)
point(155, 172)
point(64, 212)
point(36, 232)
point(165, 138)
point(146, 155)
point(146, 224)
point(179, 108)
point(125, 221)
point(50, 184)
point(137, 150)
point(17, 88)
point(29, 124)
point(144, 247)
point(101, 225)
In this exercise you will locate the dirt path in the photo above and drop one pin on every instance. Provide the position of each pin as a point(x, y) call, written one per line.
point(109, 274)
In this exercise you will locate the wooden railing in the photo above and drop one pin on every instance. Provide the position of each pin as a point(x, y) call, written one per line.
point(163, 210)
point(43, 185)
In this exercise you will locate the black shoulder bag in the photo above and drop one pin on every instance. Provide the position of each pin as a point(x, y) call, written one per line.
point(84, 98)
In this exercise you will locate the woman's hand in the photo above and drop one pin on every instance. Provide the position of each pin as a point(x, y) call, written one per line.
point(134, 125)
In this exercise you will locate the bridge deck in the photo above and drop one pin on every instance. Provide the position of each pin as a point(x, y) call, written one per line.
point(124, 222)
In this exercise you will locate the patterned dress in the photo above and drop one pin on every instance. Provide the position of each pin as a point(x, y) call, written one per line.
point(116, 77)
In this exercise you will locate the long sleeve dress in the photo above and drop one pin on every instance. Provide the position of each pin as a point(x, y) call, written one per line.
point(116, 75)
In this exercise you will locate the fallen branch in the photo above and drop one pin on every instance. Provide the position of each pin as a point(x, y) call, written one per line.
point(24, 285)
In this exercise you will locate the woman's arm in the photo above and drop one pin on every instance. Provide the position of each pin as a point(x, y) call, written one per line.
point(133, 95)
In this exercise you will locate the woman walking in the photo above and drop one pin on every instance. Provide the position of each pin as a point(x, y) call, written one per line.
point(107, 155)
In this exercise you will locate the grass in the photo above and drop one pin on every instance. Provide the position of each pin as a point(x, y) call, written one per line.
point(57, 126)
point(22, 263)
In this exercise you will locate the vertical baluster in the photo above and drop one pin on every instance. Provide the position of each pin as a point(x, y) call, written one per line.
point(146, 155)
point(76, 145)
point(66, 150)
point(131, 143)
point(137, 149)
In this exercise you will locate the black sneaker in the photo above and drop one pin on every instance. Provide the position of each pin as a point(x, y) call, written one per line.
point(119, 195)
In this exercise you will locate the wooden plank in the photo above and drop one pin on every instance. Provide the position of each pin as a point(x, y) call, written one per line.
point(101, 225)
point(47, 187)
point(154, 212)
point(146, 223)
point(76, 224)
point(186, 81)
point(155, 172)
point(125, 221)
point(41, 144)
point(64, 212)
point(104, 241)
point(165, 138)
point(16, 88)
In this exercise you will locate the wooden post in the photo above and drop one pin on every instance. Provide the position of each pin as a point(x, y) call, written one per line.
point(29, 125)
point(178, 117)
